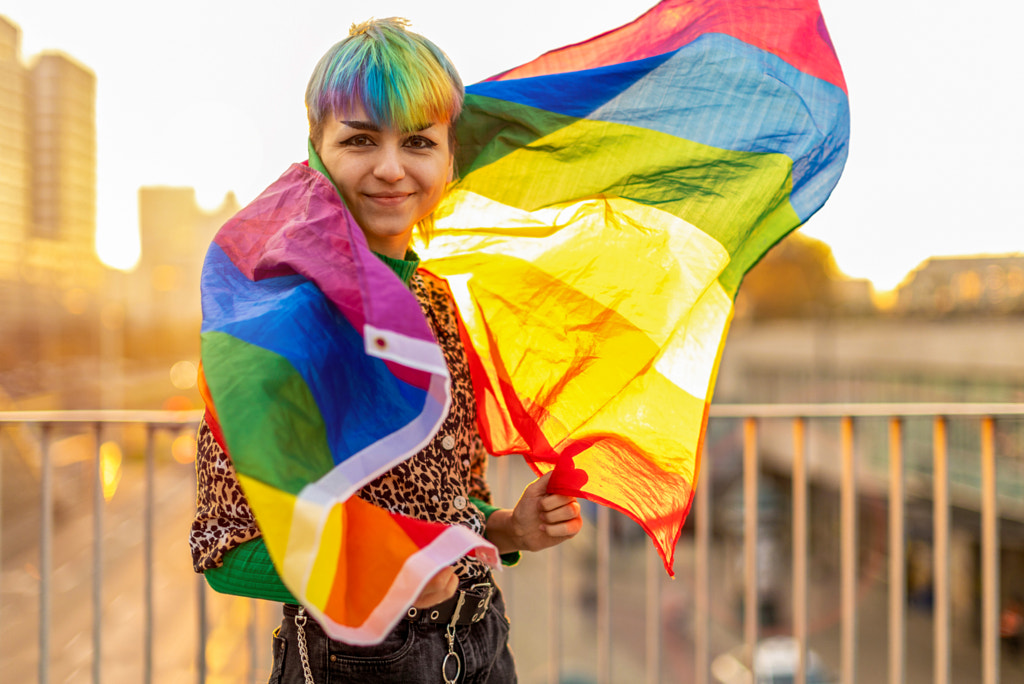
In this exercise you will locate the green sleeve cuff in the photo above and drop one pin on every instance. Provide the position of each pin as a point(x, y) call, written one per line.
point(248, 571)
point(508, 559)
point(484, 507)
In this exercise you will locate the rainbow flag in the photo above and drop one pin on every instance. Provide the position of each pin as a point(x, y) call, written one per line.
point(289, 288)
point(613, 195)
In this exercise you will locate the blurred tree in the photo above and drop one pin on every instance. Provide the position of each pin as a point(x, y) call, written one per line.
point(794, 280)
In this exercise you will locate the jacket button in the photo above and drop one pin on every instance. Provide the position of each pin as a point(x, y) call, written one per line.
point(460, 502)
point(448, 443)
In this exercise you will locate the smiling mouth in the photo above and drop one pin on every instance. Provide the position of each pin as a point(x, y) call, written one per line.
point(388, 198)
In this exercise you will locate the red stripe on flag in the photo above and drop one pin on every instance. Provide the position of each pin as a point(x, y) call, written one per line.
point(794, 31)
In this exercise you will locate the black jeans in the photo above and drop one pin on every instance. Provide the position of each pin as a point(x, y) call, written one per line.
point(412, 654)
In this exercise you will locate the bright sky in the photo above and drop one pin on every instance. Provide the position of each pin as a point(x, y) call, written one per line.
point(210, 95)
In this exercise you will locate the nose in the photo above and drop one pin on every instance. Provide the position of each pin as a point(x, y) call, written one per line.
point(389, 167)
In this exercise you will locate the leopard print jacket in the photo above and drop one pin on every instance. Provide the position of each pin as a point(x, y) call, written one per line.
point(434, 484)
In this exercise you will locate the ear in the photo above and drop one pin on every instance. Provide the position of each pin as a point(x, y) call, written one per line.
point(451, 168)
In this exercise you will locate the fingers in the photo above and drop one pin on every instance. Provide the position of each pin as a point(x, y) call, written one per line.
point(548, 502)
point(440, 587)
point(563, 522)
point(555, 501)
point(445, 582)
point(561, 513)
point(543, 520)
point(565, 529)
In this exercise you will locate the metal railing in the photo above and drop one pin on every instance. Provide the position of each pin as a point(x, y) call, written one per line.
point(895, 414)
point(758, 434)
point(94, 422)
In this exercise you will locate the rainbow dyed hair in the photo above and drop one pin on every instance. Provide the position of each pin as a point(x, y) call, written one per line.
point(401, 79)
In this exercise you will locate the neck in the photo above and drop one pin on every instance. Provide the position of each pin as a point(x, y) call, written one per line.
point(395, 247)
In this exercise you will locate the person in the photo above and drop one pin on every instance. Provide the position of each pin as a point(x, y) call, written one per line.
point(382, 106)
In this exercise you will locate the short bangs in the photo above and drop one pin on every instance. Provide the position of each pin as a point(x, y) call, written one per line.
point(402, 80)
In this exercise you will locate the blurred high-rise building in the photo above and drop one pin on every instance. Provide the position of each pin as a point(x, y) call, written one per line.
point(15, 179)
point(62, 132)
point(48, 165)
point(161, 295)
point(51, 279)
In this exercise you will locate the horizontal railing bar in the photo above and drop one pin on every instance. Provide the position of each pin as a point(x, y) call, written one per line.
point(863, 410)
point(155, 418)
point(802, 410)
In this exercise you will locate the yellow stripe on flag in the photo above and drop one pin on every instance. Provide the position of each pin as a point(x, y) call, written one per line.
point(278, 505)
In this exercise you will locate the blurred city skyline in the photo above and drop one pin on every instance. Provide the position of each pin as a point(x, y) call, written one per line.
point(195, 97)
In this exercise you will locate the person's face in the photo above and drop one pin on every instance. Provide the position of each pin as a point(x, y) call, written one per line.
point(389, 179)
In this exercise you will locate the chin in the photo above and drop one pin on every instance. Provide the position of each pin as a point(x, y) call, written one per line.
point(377, 232)
point(388, 232)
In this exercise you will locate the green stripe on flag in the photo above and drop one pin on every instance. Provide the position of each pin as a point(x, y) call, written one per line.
point(271, 423)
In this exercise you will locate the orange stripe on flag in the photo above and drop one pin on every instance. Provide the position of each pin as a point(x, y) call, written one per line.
point(375, 548)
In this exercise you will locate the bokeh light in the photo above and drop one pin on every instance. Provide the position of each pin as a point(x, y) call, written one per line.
point(110, 468)
point(183, 448)
point(183, 375)
point(177, 403)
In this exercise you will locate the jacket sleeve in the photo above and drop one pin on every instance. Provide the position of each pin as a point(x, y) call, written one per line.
point(248, 571)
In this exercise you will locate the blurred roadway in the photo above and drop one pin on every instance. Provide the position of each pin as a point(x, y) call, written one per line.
point(232, 621)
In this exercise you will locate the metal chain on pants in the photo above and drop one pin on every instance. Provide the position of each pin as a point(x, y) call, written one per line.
point(450, 634)
point(300, 623)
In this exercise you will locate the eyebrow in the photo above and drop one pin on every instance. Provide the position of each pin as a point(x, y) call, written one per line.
point(370, 126)
point(362, 125)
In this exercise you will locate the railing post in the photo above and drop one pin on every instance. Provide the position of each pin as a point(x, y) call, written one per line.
point(604, 598)
point(702, 598)
point(1, 526)
point(45, 551)
point(555, 614)
point(98, 499)
point(506, 497)
point(751, 602)
point(989, 555)
point(940, 474)
point(897, 556)
point(254, 637)
point(800, 546)
point(202, 629)
point(147, 648)
point(848, 553)
point(653, 567)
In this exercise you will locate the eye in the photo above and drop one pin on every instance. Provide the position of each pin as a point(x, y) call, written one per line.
point(360, 140)
point(418, 142)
